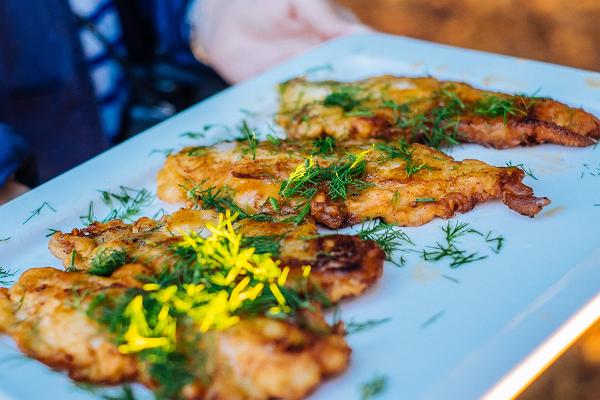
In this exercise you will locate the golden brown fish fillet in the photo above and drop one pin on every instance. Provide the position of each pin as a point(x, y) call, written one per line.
point(260, 358)
point(429, 111)
point(440, 188)
point(342, 265)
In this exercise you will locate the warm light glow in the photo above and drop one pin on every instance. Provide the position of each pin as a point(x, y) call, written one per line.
point(541, 358)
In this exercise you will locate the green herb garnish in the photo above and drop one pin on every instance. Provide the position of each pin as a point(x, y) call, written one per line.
point(527, 171)
point(403, 151)
point(388, 237)
point(373, 388)
point(355, 327)
point(5, 274)
point(324, 145)
point(106, 261)
point(263, 244)
point(38, 210)
point(491, 106)
point(249, 135)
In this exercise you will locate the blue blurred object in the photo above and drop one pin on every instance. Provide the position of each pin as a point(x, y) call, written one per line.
point(46, 93)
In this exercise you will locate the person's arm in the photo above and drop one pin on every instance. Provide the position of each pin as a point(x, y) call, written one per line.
point(241, 38)
point(13, 153)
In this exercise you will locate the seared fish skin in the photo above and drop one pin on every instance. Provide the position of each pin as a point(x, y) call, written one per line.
point(341, 265)
point(390, 107)
point(440, 189)
point(258, 359)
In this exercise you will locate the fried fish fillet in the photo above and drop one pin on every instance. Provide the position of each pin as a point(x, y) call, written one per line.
point(440, 188)
point(429, 111)
point(45, 313)
point(341, 265)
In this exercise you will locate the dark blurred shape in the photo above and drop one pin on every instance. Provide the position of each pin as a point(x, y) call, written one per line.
point(557, 31)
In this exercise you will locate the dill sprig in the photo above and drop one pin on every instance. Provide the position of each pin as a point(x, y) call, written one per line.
point(38, 210)
point(491, 106)
point(373, 387)
point(221, 200)
point(388, 237)
point(355, 327)
point(403, 151)
point(527, 171)
point(6, 239)
point(123, 204)
point(263, 244)
point(435, 317)
point(449, 248)
point(249, 135)
point(343, 99)
point(5, 275)
point(106, 261)
point(323, 145)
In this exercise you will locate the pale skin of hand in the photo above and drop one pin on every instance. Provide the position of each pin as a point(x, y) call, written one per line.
point(242, 38)
point(10, 190)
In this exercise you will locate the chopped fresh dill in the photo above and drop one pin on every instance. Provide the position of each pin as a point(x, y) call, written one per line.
point(492, 106)
point(6, 239)
point(591, 171)
point(388, 237)
point(51, 231)
point(449, 248)
point(38, 210)
point(125, 393)
point(274, 204)
point(435, 317)
point(356, 327)
point(197, 151)
point(374, 387)
point(166, 152)
point(527, 171)
point(323, 145)
point(106, 261)
point(450, 278)
point(221, 200)
point(192, 135)
point(263, 244)
point(403, 151)
point(343, 99)
point(5, 275)
point(273, 139)
point(360, 113)
point(249, 135)
point(425, 199)
point(124, 204)
point(159, 214)
point(72, 267)
point(318, 68)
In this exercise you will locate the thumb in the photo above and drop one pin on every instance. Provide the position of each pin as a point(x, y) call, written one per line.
point(327, 19)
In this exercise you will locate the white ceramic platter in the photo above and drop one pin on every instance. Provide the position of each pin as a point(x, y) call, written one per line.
point(484, 329)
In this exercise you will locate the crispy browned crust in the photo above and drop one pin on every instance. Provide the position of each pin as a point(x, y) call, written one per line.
point(44, 312)
point(342, 265)
point(454, 186)
point(303, 115)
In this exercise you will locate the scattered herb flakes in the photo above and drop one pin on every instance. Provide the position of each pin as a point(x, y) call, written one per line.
point(51, 231)
point(164, 152)
point(360, 113)
point(590, 170)
point(72, 267)
point(249, 136)
point(403, 151)
point(492, 106)
point(450, 278)
point(106, 261)
point(124, 204)
point(388, 237)
point(318, 68)
point(434, 318)
point(268, 244)
point(38, 210)
point(527, 171)
point(125, 393)
point(273, 139)
point(192, 135)
point(343, 99)
point(449, 248)
point(323, 145)
point(374, 387)
point(5, 275)
point(359, 326)
point(6, 239)
point(425, 200)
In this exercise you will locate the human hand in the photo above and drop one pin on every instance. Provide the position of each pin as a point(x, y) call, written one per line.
point(241, 38)
point(10, 190)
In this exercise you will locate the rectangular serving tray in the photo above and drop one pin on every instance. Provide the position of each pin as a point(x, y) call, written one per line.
point(482, 330)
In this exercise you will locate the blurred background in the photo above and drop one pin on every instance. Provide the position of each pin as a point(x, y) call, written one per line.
point(557, 31)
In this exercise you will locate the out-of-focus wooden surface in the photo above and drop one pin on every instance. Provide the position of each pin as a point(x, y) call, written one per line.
point(559, 31)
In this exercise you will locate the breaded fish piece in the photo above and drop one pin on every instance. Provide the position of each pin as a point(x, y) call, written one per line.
point(260, 358)
point(429, 111)
point(440, 187)
point(342, 265)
